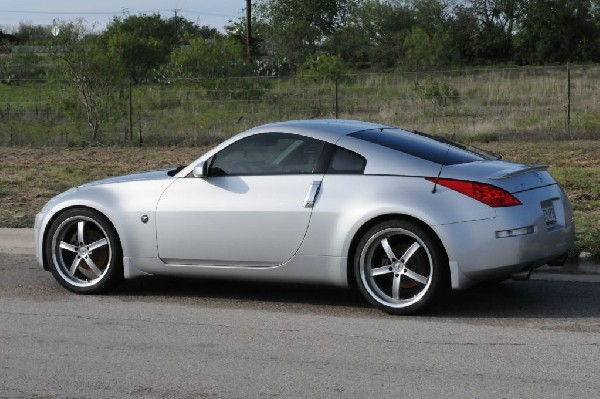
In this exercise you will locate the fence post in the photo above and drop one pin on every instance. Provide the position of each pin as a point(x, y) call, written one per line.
point(139, 117)
point(336, 97)
point(569, 99)
point(130, 113)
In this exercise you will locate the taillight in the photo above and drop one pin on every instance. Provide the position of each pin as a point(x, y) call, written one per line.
point(486, 193)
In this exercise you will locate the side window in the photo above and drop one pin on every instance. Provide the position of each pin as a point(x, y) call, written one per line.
point(346, 162)
point(268, 154)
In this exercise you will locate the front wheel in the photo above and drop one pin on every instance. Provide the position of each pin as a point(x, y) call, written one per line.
point(400, 268)
point(83, 251)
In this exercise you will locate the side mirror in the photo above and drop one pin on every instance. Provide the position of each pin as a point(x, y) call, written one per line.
point(201, 170)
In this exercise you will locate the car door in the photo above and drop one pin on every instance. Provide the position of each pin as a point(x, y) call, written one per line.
point(252, 208)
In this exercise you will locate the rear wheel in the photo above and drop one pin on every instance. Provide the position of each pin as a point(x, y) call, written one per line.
point(83, 251)
point(400, 268)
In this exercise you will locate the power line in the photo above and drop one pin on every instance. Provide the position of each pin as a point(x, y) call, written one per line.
point(114, 12)
point(208, 13)
point(64, 12)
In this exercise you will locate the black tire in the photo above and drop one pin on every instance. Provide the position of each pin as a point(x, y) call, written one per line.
point(400, 268)
point(83, 252)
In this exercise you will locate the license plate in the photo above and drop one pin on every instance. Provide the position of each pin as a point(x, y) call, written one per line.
point(549, 214)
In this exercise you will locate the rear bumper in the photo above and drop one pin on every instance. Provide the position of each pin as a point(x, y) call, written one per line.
point(483, 250)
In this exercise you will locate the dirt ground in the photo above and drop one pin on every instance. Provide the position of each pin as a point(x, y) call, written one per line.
point(29, 177)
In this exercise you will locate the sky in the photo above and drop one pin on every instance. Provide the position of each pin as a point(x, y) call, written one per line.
point(214, 13)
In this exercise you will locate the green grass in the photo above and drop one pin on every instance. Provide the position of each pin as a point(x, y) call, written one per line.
point(576, 166)
point(506, 103)
point(583, 188)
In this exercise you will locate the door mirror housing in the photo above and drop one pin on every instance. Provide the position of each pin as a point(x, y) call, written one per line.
point(200, 170)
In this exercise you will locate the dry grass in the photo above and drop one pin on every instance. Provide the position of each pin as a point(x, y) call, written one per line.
point(31, 176)
point(507, 103)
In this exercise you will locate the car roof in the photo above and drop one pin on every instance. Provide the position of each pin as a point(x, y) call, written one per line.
point(325, 129)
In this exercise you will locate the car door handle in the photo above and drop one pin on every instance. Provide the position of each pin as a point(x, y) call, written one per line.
point(311, 195)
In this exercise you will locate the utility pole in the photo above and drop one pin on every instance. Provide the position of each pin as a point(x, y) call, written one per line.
point(176, 24)
point(569, 99)
point(249, 30)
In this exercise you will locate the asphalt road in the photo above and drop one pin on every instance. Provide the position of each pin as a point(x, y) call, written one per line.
point(169, 338)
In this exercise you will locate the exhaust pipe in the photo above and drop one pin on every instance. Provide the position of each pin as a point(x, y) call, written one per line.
point(523, 275)
point(560, 261)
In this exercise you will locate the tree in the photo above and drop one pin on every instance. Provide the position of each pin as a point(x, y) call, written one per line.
point(352, 45)
point(210, 58)
point(556, 31)
point(33, 34)
point(425, 50)
point(394, 22)
point(483, 30)
point(7, 40)
point(236, 30)
point(140, 43)
point(431, 15)
point(362, 40)
point(216, 65)
point(184, 30)
point(90, 73)
point(298, 27)
point(21, 64)
point(323, 67)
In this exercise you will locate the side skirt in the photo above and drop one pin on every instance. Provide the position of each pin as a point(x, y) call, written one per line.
point(300, 269)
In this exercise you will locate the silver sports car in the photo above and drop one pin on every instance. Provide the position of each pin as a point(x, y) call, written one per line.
point(401, 215)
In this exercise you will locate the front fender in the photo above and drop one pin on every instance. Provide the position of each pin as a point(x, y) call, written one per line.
point(123, 204)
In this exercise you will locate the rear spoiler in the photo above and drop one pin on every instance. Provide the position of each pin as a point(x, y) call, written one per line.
point(533, 168)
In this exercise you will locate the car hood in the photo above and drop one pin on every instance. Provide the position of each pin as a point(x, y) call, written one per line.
point(144, 176)
point(144, 186)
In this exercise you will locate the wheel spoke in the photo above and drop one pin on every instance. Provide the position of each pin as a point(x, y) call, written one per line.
point(67, 246)
point(388, 250)
point(92, 266)
point(80, 232)
point(87, 273)
point(378, 271)
point(415, 276)
point(410, 252)
point(74, 266)
point(97, 244)
point(396, 286)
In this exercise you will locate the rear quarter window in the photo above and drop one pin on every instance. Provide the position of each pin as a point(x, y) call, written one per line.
point(346, 162)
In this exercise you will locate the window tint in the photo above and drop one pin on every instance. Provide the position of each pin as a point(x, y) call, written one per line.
point(346, 162)
point(268, 154)
point(419, 145)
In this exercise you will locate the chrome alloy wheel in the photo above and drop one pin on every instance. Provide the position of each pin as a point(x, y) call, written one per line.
point(81, 251)
point(396, 268)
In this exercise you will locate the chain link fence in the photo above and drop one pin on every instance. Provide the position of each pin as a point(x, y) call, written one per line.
point(475, 104)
